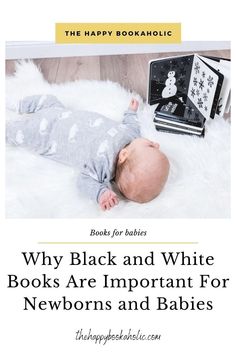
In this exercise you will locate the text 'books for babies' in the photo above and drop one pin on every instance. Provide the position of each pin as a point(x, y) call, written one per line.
point(188, 90)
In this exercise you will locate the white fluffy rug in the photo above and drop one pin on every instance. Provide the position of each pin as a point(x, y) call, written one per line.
point(199, 181)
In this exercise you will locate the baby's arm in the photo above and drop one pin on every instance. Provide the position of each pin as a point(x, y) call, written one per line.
point(31, 104)
point(130, 117)
point(98, 191)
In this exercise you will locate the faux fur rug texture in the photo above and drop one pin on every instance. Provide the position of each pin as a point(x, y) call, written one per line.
point(198, 185)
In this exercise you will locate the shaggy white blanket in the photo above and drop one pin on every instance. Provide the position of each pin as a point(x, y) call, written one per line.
point(199, 181)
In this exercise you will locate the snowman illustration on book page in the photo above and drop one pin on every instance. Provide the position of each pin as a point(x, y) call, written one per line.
point(170, 88)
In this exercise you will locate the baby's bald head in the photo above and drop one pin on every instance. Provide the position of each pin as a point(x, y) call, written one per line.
point(142, 170)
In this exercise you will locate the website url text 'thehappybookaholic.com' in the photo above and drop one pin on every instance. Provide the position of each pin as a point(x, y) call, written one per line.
point(124, 335)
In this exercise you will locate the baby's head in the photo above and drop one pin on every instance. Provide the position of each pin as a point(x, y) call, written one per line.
point(141, 171)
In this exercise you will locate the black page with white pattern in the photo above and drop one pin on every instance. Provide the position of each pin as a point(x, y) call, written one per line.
point(195, 82)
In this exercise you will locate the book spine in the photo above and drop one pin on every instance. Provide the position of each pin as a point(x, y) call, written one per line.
point(176, 124)
point(185, 130)
point(172, 131)
point(178, 119)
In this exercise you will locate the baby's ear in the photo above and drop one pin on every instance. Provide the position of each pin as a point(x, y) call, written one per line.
point(123, 154)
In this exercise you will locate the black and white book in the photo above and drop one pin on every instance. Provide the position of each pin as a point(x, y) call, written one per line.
point(166, 129)
point(188, 90)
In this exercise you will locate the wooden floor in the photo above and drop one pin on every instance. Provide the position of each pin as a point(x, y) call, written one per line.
point(129, 70)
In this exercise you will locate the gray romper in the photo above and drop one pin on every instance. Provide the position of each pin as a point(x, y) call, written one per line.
point(82, 139)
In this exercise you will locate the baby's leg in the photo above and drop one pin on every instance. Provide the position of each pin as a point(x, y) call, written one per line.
point(15, 131)
point(35, 103)
point(30, 131)
point(33, 128)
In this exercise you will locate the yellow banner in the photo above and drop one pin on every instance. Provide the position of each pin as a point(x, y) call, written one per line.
point(118, 33)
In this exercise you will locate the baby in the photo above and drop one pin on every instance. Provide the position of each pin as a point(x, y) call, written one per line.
point(102, 149)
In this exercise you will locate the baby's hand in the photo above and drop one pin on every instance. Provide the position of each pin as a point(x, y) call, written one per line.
point(108, 200)
point(134, 105)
